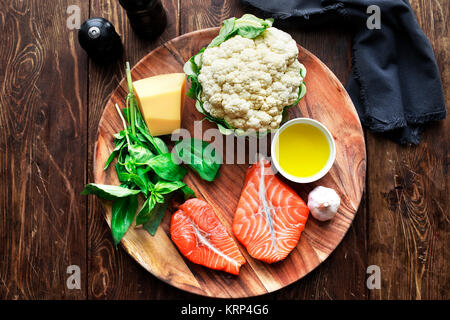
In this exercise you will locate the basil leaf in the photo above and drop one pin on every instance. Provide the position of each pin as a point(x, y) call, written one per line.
point(110, 159)
point(166, 169)
point(145, 212)
point(119, 143)
point(158, 197)
point(120, 168)
point(165, 187)
point(156, 217)
point(250, 32)
point(226, 32)
point(159, 147)
point(120, 135)
point(123, 212)
point(158, 142)
point(122, 155)
point(130, 164)
point(142, 173)
point(134, 178)
point(199, 156)
point(140, 154)
point(188, 193)
point(108, 192)
point(247, 26)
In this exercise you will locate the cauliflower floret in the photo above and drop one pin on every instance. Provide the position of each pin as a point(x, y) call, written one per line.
point(248, 82)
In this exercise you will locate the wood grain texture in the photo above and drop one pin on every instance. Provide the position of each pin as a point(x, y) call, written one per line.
point(409, 192)
point(43, 151)
point(159, 255)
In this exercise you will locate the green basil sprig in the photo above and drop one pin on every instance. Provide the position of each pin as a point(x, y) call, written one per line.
point(146, 168)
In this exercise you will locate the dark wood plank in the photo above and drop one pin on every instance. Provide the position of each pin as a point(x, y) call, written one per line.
point(43, 151)
point(113, 274)
point(347, 264)
point(409, 192)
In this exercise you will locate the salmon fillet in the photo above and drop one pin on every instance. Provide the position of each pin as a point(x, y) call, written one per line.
point(203, 239)
point(270, 216)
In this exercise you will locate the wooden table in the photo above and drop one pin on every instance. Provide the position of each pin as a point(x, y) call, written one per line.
point(52, 97)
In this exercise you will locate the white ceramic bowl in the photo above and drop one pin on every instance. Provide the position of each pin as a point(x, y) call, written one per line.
point(331, 144)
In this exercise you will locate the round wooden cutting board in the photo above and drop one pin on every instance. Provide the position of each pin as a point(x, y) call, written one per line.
point(326, 100)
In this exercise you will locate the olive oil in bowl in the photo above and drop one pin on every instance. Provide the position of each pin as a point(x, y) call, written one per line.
point(303, 150)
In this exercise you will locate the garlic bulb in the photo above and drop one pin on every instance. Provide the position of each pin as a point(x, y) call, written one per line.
point(323, 203)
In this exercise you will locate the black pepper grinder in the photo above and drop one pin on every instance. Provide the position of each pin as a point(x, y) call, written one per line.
point(147, 17)
point(100, 40)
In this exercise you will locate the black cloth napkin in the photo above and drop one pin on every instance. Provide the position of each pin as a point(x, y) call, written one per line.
point(395, 82)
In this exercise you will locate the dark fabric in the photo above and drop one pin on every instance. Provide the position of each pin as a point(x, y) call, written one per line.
point(395, 83)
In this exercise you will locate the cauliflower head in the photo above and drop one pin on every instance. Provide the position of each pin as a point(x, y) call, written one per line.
point(248, 82)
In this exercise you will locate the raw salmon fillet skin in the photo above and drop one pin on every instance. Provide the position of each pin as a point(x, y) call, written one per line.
point(203, 239)
point(270, 216)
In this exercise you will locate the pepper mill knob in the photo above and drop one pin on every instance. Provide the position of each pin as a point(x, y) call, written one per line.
point(100, 40)
point(94, 32)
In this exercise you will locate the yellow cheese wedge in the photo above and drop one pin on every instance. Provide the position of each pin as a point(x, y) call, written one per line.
point(161, 100)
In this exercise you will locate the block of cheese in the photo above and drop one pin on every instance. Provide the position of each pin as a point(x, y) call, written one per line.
point(161, 100)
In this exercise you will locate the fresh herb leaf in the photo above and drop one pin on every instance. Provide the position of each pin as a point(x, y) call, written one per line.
point(140, 154)
point(134, 178)
point(188, 193)
point(166, 169)
point(247, 26)
point(157, 144)
point(200, 156)
point(227, 31)
point(130, 164)
point(165, 187)
point(145, 212)
point(108, 192)
point(123, 212)
point(160, 145)
point(120, 135)
point(156, 217)
point(143, 134)
point(119, 143)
